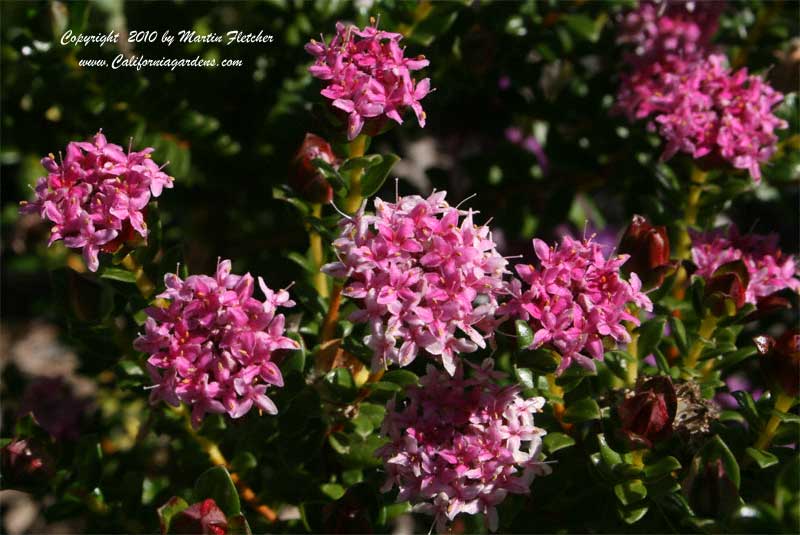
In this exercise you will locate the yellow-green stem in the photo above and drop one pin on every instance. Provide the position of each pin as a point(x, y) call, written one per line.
point(782, 404)
point(315, 245)
point(354, 198)
point(707, 327)
point(690, 216)
point(633, 363)
point(143, 282)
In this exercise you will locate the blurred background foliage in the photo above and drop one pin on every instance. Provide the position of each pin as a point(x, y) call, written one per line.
point(545, 71)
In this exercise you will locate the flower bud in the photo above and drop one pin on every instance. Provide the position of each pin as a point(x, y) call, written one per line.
point(710, 491)
point(648, 247)
point(780, 361)
point(726, 290)
point(647, 415)
point(304, 177)
point(203, 517)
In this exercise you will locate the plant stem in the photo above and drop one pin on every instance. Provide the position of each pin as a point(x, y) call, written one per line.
point(317, 257)
point(633, 363)
point(354, 198)
point(782, 404)
point(707, 327)
point(217, 458)
point(690, 216)
point(143, 282)
point(327, 351)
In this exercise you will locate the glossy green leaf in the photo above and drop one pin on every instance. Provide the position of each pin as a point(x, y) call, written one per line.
point(631, 491)
point(524, 334)
point(557, 441)
point(165, 513)
point(763, 458)
point(582, 410)
point(401, 377)
point(216, 483)
point(376, 175)
point(662, 467)
point(678, 331)
point(650, 333)
point(121, 275)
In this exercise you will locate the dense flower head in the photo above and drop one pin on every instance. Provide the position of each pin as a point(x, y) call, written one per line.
point(665, 38)
point(714, 113)
point(424, 281)
point(97, 195)
point(460, 445)
point(575, 299)
point(768, 268)
point(212, 343)
point(368, 75)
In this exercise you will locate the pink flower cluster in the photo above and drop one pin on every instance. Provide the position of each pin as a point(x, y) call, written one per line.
point(461, 445)
point(424, 281)
point(770, 270)
point(709, 111)
point(97, 194)
point(368, 75)
point(211, 346)
point(666, 37)
point(575, 299)
point(699, 105)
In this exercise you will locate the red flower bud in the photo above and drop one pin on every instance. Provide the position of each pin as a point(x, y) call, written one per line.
point(648, 414)
point(203, 517)
point(710, 491)
point(780, 361)
point(725, 291)
point(648, 247)
point(304, 177)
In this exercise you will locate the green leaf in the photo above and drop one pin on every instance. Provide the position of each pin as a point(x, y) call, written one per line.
point(734, 357)
point(717, 449)
point(764, 458)
point(586, 27)
point(608, 456)
point(90, 461)
point(173, 506)
point(117, 274)
point(650, 333)
point(361, 162)
point(237, 525)
point(662, 467)
point(340, 382)
point(311, 515)
point(330, 173)
point(631, 515)
point(243, 462)
point(401, 377)
point(333, 491)
point(749, 409)
point(582, 410)
point(376, 175)
point(543, 361)
point(524, 376)
point(787, 485)
point(631, 491)
point(524, 334)
point(216, 483)
point(557, 441)
point(679, 333)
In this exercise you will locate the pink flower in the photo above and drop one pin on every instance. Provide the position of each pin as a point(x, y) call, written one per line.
point(368, 75)
point(770, 270)
point(461, 445)
point(97, 195)
point(425, 276)
point(212, 345)
point(575, 299)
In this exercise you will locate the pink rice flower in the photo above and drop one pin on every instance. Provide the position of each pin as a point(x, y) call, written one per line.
point(368, 75)
point(666, 37)
point(575, 300)
point(710, 112)
point(212, 344)
point(97, 195)
point(461, 445)
point(424, 280)
point(770, 270)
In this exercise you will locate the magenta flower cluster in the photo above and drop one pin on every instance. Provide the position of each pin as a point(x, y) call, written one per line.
point(769, 269)
point(462, 445)
point(575, 299)
point(665, 38)
point(97, 194)
point(212, 344)
point(424, 280)
point(368, 75)
point(699, 106)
